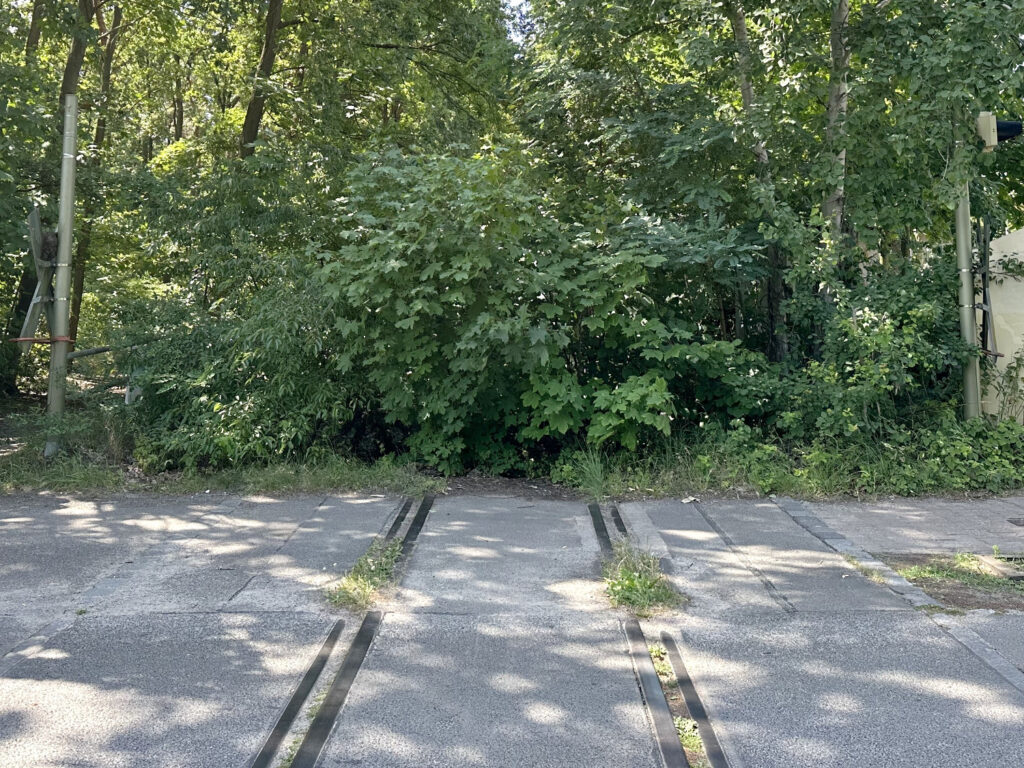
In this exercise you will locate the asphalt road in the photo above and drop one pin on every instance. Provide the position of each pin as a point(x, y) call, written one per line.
point(142, 631)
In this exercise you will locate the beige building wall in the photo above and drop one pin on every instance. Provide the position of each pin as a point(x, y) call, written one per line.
point(1007, 295)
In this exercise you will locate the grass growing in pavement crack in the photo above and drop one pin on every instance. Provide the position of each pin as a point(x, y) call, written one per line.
point(633, 580)
point(931, 610)
point(288, 756)
point(868, 573)
point(686, 726)
point(372, 572)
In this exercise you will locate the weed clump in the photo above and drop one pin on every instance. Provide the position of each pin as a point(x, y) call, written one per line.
point(372, 572)
point(634, 580)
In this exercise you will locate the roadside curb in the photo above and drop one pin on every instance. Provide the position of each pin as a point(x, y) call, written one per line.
point(802, 515)
point(806, 519)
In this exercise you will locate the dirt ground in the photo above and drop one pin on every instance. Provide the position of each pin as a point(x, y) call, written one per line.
point(954, 593)
point(477, 484)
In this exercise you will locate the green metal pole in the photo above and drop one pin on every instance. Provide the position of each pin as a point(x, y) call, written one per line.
point(62, 273)
point(968, 319)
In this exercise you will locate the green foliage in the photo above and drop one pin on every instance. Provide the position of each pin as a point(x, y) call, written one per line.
point(944, 455)
point(485, 323)
point(598, 247)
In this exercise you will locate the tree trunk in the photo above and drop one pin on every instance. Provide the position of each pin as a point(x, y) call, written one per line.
point(775, 285)
point(738, 22)
point(254, 113)
point(179, 110)
point(833, 208)
point(91, 203)
point(69, 84)
point(838, 99)
point(178, 101)
point(35, 29)
point(73, 66)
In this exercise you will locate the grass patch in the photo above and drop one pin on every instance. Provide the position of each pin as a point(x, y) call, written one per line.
point(26, 470)
point(372, 572)
point(633, 580)
point(962, 567)
point(958, 581)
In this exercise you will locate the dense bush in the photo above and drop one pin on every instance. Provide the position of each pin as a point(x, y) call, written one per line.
point(643, 239)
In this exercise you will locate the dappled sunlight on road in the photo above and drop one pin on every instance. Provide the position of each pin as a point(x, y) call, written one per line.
point(175, 628)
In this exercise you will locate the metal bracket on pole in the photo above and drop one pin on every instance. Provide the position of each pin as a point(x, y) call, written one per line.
point(42, 299)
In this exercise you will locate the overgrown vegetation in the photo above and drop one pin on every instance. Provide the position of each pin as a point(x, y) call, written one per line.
point(633, 580)
point(962, 567)
point(668, 245)
point(373, 572)
point(97, 446)
point(949, 457)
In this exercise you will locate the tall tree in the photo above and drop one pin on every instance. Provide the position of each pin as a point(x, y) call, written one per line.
point(258, 101)
point(92, 202)
point(838, 103)
point(775, 283)
point(35, 29)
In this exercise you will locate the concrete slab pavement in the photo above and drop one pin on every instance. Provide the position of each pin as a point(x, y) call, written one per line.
point(543, 691)
point(927, 525)
point(498, 650)
point(824, 667)
point(53, 548)
point(194, 632)
point(815, 689)
point(158, 690)
point(1003, 631)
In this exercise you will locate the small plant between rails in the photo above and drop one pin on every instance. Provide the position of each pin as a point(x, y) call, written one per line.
point(373, 572)
point(634, 580)
point(686, 726)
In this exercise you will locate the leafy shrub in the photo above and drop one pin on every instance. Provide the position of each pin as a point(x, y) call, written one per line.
point(946, 456)
point(490, 327)
point(453, 306)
